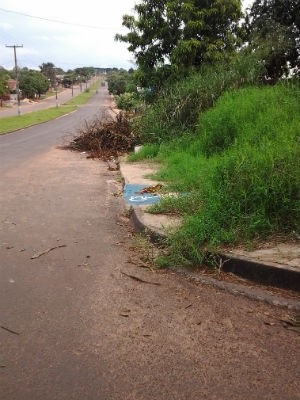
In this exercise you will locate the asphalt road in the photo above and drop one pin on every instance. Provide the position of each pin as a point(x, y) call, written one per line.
point(21, 145)
point(75, 323)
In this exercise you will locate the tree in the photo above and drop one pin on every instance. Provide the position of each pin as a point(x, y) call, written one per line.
point(69, 79)
point(85, 72)
point(273, 28)
point(120, 82)
point(4, 90)
point(185, 33)
point(33, 83)
point(210, 31)
point(49, 70)
point(153, 33)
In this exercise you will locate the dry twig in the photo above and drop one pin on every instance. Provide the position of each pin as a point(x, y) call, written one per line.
point(37, 255)
point(139, 279)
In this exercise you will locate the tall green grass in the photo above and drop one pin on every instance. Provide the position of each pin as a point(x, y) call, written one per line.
point(177, 108)
point(242, 170)
point(256, 116)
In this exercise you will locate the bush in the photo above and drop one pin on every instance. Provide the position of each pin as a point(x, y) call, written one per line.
point(126, 101)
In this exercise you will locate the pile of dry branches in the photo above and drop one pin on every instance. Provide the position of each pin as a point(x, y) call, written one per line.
point(104, 137)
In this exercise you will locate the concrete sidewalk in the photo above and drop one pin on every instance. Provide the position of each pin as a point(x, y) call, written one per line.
point(273, 264)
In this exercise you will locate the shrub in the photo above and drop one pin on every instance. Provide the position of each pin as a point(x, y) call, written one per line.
point(126, 101)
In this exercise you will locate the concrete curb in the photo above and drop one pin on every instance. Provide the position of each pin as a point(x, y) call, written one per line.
point(281, 276)
point(242, 290)
point(265, 274)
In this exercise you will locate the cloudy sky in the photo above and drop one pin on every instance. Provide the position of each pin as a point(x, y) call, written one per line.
point(84, 35)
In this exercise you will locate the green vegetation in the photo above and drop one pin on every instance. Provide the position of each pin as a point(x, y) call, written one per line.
point(121, 81)
point(186, 33)
point(10, 124)
point(225, 140)
point(240, 172)
point(122, 84)
point(273, 30)
point(126, 101)
point(176, 110)
point(33, 83)
point(4, 90)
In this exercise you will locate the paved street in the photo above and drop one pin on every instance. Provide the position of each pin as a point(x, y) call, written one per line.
point(80, 316)
point(26, 107)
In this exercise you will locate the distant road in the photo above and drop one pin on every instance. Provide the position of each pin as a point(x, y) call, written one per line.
point(17, 147)
point(62, 97)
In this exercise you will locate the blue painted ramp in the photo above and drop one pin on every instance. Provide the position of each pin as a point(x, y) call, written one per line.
point(132, 195)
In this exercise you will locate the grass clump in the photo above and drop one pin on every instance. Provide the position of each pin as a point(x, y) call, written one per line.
point(147, 152)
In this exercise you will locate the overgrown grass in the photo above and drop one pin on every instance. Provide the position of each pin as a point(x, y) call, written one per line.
point(10, 124)
point(242, 170)
point(177, 108)
point(146, 152)
point(255, 116)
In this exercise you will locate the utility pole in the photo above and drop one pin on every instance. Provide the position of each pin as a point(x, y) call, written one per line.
point(15, 46)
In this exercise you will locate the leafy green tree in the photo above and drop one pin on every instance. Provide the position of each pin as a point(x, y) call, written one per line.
point(273, 28)
point(49, 70)
point(126, 101)
point(185, 33)
point(210, 31)
point(33, 83)
point(120, 82)
point(85, 72)
point(153, 32)
point(69, 78)
point(4, 90)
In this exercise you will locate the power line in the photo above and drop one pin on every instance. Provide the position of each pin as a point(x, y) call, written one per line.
point(55, 20)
